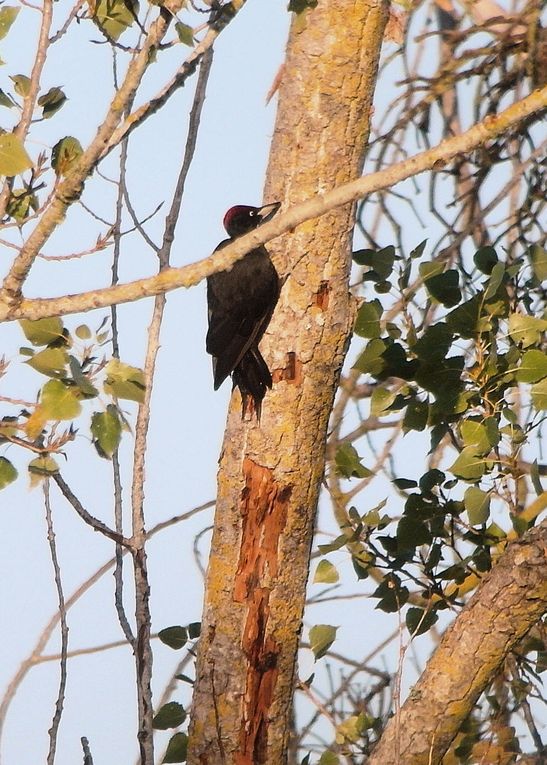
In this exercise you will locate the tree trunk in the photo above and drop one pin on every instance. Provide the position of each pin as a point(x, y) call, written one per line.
point(270, 472)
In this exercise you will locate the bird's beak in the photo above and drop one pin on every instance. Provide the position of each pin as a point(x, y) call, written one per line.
point(267, 212)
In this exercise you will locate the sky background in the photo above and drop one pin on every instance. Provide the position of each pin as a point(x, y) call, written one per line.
point(188, 417)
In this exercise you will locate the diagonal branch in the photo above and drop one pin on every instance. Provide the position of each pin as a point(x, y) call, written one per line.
point(509, 601)
point(71, 187)
point(190, 275)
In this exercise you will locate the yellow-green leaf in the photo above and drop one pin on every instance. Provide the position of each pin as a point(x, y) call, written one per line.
point(185, 33)
point(59, 401)
point(477, 504)
point(124, 381)
point(83, 332)
point(65, 153)
point(539, 395)
point(42, 331)
point(115, 16)
point(13, 157)
point(51, 102)
point(322, 636)
point(8, 14)
point(50, 362)
point(21, 83)
point(43, 466)
point(20, 203)
point(8, 473)
point(325, 573)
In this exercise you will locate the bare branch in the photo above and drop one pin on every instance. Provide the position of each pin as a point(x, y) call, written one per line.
point(189, 276)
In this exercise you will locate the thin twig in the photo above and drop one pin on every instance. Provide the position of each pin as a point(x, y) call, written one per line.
point(54, 730)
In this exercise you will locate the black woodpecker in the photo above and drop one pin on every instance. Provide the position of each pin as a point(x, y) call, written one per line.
point(240, 305)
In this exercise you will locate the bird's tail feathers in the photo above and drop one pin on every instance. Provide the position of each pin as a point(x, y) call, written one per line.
point(253, 378)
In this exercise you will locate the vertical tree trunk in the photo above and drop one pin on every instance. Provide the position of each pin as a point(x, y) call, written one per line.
point(270, 473)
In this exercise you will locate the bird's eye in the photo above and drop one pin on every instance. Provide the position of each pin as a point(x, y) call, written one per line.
point(252, 213)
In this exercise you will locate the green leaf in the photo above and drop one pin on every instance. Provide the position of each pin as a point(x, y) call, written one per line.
point(5, 100)
point(59, 401)
point(8, 473)
point(431, 479)
point(348, 463)
point(391, 594)
point(477, 504)
point(496, 278)
point(50, 362)
point(176, 748)
point(418, 251)
point(535, 479)
point(381, 400)
point(367, 323)
point(526, 330)
point(123, 381)
point(419, 621)
point(474, 434)
point(171, 715)
point(86, 388)
point(404, 483)
point(469, 465)
point(411, 533)
point(13, 157)
point(8, 14)
point(379, 261)
point(64, 154)
point(115, 16)
point(185, 34)
point(435, 343)
point(444, 288)
point(538, 261)
point(106, 429)
point(533, 367)
point(51, 102)
point(174, 637)
point(42, 331)
point(325, 573)
point(416, 415)
point(370, 360)
point(43, 466)
point(21, 84)
point(322, 636)
point(194, 630)
point(538, 393)
point(485, 259)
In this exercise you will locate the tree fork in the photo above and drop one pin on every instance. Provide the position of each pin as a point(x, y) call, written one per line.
point(270, 472)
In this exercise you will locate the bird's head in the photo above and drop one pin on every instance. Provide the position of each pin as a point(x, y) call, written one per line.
point(241, 219)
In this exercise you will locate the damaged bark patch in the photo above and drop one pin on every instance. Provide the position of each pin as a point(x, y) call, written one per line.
point(264, 514)
point(321, 297)
point(292, 372)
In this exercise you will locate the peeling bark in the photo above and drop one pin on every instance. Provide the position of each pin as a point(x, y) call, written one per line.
point(270, 472)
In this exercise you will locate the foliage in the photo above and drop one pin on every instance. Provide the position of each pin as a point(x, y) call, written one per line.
point(76, 376)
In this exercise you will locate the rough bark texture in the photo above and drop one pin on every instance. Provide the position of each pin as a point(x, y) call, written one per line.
point(510, 600)
point(270, 473)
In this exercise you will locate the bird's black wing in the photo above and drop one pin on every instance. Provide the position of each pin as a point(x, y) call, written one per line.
point(240, 302)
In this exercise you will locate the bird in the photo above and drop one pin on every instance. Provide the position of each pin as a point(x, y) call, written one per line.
point(240, 304)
